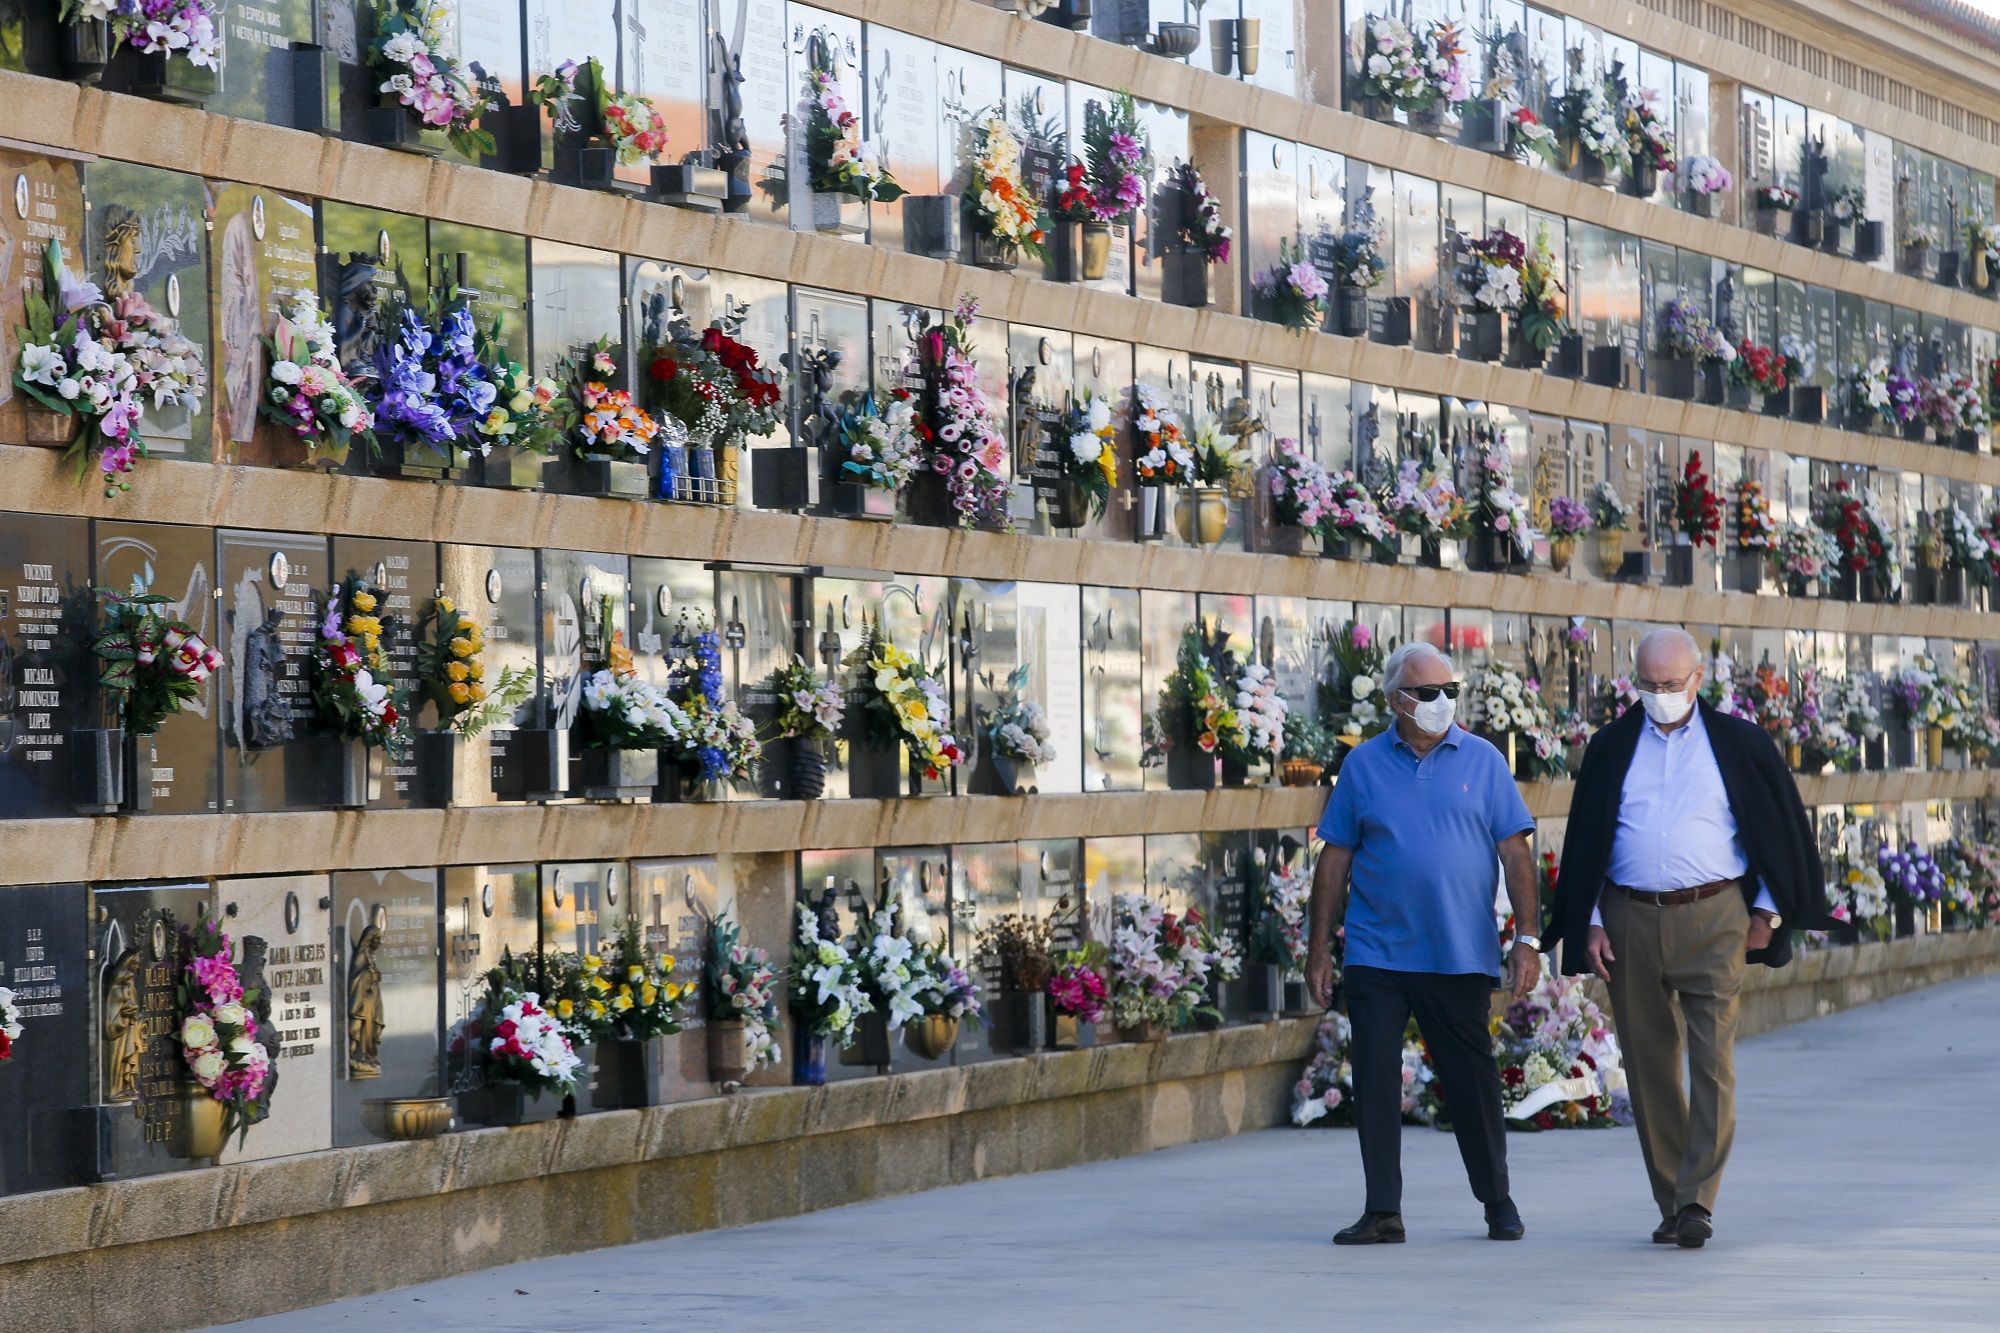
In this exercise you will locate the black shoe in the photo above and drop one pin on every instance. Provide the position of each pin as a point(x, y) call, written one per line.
point(1693, 1227)
point(1668, 1231)
point(1373, 1229)
point(1503, 1221)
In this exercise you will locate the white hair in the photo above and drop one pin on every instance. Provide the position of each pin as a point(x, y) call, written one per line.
point(1668, 634)
point(1399, 661)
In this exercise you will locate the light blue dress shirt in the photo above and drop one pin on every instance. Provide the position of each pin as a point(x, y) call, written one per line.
point(1675, 830)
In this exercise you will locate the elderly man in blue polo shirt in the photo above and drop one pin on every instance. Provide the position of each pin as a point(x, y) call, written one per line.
point(1418, 827)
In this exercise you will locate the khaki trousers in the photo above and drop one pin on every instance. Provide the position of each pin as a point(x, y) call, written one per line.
point(1679, 969)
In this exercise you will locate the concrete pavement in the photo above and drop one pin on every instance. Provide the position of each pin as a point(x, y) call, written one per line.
point(1864, 1194)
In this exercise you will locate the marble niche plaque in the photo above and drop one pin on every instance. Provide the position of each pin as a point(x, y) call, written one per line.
point(986, 644)
point(272, 585)
point(496, 587)
point(1114, 701)
point(407, 575)
point(1047, 622)
point(137, 1119)
point(43, 202)
point(260, 255)
point(177, 563)
point(583, 605)
point(371, 262)
point(385, 947)
point(583, 906)
point(282, 920)
point(148, 236)
point(747, 47)
point(490, 271)
point(674, 900)
point(662, 56)
point(255, 79)
point(47, 672)
point(44, 959)
point(985, 885)
point(905, 119)
point(492, 915)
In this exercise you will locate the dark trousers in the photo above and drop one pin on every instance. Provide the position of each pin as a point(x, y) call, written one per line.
point(1451, 1011)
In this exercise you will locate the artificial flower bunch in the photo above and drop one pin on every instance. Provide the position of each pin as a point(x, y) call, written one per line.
point(825, 982)
point(1951, 403)
point(75, 363)
point(191, 29)
point(1072, 195)
point(1200, 227)
point(1531, 138)
point(1501, 507)
point(1116, 152)
point(1506, 702)
point(1618, 696)
point(1760, 367)
point(905, 698)
point(1697, 512)
point(430, 389)
point(528, 412)
point(1806, 553)
point(1853, 702)
point(1159, 969)
point(1925, 696)
point(742, 986)
point(1088, 448)
point(891, 974)
point(1769, 697)
point(350, 672)
point(624, 712)
point(1019, 948)
point(1441, 56)
point(1261, 708)
point(1019, 727)
point(1776, 198)
point(411, 55)
point(1592, 116)
point(719, 743)
point(1543, 312)
point(1857, 894)
point(1756, 530)
point(557, 93)
point(1703, 175)
point(1325, 1091)
point(218, 1030)
point(1817, 723)
point(1358, 260)
point(1608, 510)
point(1351, 511)
point(10, 1024)
point(523, 1042)
point(714, 383)
point(1425, 502)
point(1967, 546)
point(995, 194)
point(1685, 331)
point(884, 447)
point(1494, 273)
point(1906, 397)
point(1280, 936)
point(809, 707)
point(608, 424)
point(1860, 529)
point(1387, 65)
point(1292, 290)
point(1568, 517)
point(838, 160)
point(305, 389)
point(1911, 876)
point(1352, 700)
point(635, 127)
point(967, 443)
point(452, 674)
point(1868, 391)
point(1647, 138)
point(1215, 463)
point(944, 988)
point(148, 666)
point(644, 999)
point(1164, 457)
point(1301, 493)
point(1076, 986)
point(1560, 1063)
point(1194, 706)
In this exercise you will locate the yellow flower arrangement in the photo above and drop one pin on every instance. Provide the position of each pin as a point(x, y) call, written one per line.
point(907, 696)
point(451, 672)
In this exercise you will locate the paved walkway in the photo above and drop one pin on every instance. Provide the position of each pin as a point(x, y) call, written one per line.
point(1864, 1194)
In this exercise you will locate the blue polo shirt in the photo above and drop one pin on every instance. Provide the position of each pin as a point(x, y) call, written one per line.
point(1423, 833)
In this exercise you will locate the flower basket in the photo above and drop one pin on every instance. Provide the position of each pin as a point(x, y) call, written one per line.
point(1482, 125)
point(198, 1130)
point(1202, 515)
point(1175, 41)
point(1143, 1032)
point(389, 124)
point(728, 1058)
point(1561, 549)
point(631, 1074)
point(493, 1105)
point(619, 775)
point(1610, 553)
point(1184, 279)
point(1350, 311)
point(1673, 377)
point(871, 1043)
point(1067, 1032)
point(1299, 772)
point(1190, 768)
point(161, 76)
point(1485, 336)
point(1702, 205)
point(932, 1036)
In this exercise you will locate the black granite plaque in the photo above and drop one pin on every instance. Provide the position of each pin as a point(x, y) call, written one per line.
point(272, 588)
point(1225, 899)
point(147, 235)
point(46, 1081)
point(48, 618)
point(406, 575)
point(177, 563)
point(370, 263)
point(385, 963)
point(255, 79)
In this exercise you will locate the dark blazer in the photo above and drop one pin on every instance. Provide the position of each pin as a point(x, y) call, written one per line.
point(1771, 823)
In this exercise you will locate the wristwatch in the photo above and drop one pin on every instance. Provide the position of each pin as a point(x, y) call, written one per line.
point(1532, 941)
point(1771, 918)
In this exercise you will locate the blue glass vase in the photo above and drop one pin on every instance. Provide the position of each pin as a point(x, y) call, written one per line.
point(809, 1060)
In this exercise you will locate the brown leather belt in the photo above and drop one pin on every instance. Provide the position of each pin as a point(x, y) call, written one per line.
point(1677, 897)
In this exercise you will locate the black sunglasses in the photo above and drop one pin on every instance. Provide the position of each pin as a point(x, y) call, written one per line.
point(1426, 693)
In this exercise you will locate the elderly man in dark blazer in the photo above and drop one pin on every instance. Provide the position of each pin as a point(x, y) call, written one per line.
point(1688, 856)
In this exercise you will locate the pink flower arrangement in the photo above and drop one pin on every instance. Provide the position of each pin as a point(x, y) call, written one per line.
point(1077, 989)
point(968, 447)
point(219, 1031)
point(409, 57)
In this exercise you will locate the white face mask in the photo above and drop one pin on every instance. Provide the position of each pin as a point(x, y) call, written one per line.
point(1666, 709)
point(1435, 716)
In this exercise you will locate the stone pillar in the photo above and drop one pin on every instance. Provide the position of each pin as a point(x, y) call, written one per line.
point(1218, 151)
point(1725, 141)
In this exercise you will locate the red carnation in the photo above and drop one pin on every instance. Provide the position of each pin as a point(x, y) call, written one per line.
point(664, 368)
